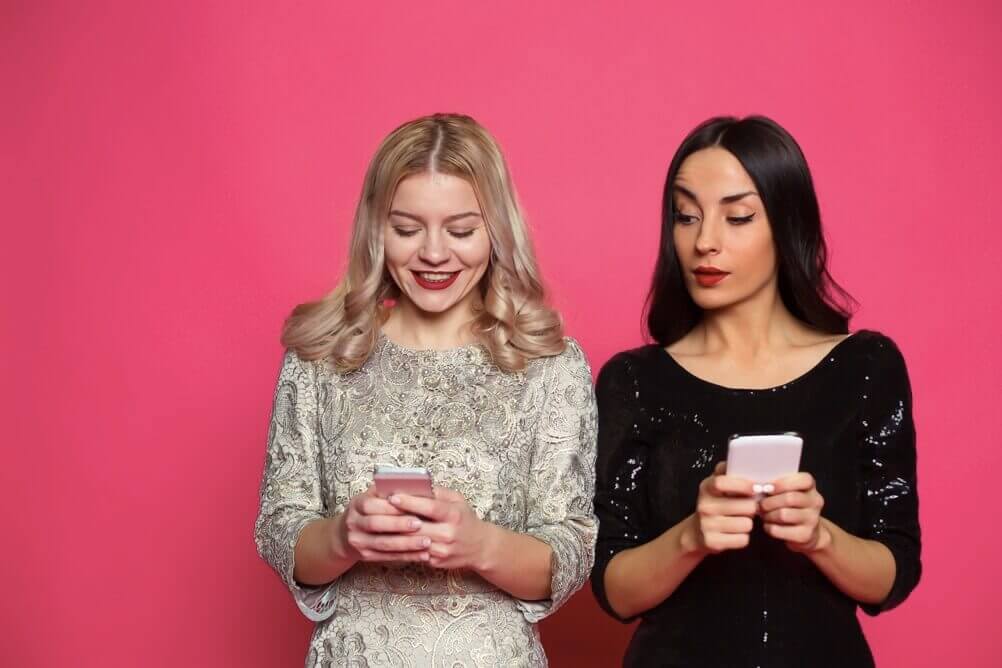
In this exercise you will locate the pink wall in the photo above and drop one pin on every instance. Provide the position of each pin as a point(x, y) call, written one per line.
point(177, 175)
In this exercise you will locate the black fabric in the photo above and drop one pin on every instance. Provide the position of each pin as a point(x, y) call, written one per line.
point(661, 432)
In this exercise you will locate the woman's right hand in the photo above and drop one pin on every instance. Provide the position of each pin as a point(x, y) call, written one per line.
point(377, 531)
point(725, 511)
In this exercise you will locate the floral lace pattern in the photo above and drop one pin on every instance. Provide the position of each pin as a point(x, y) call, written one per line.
point(521, 449)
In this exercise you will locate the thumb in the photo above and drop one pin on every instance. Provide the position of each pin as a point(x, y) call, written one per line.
point(720, 468)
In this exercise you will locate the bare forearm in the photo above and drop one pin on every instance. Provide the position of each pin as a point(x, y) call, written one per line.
point(862, 569)
point(322, 552)
point(640, 578)
point(517, 563)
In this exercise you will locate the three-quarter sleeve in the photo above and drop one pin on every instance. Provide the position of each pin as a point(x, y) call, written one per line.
point(889, 491)
point(291, 494)
point(562, 478)
point(620, 492)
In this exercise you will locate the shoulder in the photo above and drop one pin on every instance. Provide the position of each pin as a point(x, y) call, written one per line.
point(573, 352)
point(570, 363)
point(878, 357)
point(293, 365)
point(877, 349)
point(304, 371)
point(630, 364)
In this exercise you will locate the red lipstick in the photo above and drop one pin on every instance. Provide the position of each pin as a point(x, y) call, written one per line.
point(708, 276)
point(435, 285)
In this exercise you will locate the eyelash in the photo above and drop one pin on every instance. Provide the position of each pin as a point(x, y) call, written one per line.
point(410, 233)
point(685, 219)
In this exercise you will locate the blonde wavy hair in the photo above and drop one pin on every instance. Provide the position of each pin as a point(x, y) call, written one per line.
point(513, 324)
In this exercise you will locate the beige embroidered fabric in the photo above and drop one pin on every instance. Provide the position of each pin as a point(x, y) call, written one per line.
point(519, 447)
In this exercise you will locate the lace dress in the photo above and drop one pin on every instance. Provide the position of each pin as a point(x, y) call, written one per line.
point(521, 449)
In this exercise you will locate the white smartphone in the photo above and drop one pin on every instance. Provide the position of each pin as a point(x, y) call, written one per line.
point(764, 458)
point(392, 480)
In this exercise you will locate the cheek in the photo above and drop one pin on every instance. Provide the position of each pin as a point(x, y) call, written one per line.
point(682, 236)
point(475, 254)
point(756, 251)
point(765, 251)
point(397, 251)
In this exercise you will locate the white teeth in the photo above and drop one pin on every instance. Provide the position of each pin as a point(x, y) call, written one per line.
point(434, 278)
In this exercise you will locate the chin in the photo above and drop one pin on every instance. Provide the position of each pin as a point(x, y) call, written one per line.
point(712, 302)
point(433, 305)
point(436, 302)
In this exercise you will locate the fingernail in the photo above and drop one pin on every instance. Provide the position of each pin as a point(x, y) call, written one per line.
point(757, 488)
point(394, 500)
point(425, 557)
point(425, 542)
point(415, 524)
point(768, 488)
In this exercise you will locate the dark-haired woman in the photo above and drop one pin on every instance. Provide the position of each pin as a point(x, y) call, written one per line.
point(751, 336)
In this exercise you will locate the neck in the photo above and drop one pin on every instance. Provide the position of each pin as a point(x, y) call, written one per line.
point(749, 328)
point(414, 328)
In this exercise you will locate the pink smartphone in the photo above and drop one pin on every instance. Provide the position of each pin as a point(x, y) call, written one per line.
point(398, 480)
point(764, 458)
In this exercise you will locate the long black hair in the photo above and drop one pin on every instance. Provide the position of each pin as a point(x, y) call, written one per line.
point(776, 164)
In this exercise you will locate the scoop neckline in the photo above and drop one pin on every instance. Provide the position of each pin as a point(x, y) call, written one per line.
point(826, 358)
point(387, 341)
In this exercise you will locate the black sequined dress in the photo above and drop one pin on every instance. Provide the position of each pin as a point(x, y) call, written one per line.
point(662, 430)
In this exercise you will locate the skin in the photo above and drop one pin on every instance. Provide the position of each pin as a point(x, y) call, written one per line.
point(746, 339)
point(435, 225)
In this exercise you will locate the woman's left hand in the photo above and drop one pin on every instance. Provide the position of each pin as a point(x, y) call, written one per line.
point(458, 536)
point(792, 513)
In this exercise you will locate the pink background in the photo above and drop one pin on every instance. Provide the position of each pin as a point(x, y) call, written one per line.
point(177, 175)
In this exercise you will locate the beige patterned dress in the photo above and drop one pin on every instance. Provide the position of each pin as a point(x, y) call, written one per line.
point(521, 449)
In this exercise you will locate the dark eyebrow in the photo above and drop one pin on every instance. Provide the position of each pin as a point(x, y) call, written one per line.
point(739, 196)
point(418, 219)
point(730, 199)
point(686, 193)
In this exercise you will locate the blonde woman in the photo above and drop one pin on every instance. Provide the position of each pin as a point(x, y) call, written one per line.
point(436, 350)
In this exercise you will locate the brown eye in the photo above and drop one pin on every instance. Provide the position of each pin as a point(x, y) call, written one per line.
point(740, 220)
point(684, 218)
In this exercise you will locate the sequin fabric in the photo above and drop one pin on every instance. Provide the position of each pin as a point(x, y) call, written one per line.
point(661, 432)
point(521, 449)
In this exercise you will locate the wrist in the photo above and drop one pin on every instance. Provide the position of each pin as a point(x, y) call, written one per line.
point(339, 549)
point(688, 538)
point(485, 559)
point(825, 537)
point(823, 541)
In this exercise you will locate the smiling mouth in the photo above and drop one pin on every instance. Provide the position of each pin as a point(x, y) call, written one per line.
point(435, 280)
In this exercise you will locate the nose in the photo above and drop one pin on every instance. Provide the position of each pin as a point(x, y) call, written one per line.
point(708, 239)
point(434, 250)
